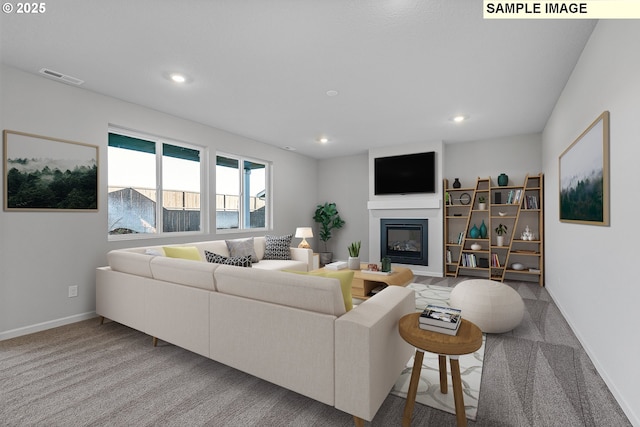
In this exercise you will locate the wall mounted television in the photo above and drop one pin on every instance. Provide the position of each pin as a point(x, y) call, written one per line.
point(405, 174)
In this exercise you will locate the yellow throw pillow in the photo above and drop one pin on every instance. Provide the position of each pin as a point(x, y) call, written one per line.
point(345, 277)
point(184, 252)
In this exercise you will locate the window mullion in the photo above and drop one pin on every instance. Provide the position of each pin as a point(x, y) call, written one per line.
point(159, 189)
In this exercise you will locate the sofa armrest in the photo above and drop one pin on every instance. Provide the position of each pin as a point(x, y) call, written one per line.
point(370, 354)
point(304, 255)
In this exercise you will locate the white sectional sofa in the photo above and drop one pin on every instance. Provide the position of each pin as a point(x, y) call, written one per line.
point(290, 329)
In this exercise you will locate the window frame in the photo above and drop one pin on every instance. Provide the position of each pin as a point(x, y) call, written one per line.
point(268, 183)
point(159, 154)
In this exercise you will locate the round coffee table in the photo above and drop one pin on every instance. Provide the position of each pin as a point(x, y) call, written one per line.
point(468, 340)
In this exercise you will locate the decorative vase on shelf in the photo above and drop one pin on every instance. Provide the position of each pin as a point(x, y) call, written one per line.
point(483, 230)
point(474, 233)
point(503, 180)
point(456, 183)
point(500, 240)
point(476, 246)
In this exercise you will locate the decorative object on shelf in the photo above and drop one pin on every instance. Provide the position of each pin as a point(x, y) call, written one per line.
point(386, 264)
point(500, 231)
point(372, 267)
point(447, 198)
point(476, 246)
point(527, 234)
point(517, 266)
point(354, 255)
point(456, 183)
point(482, 204)
point(303, 233)
point(483, 230)
point(497, 198)
point(584, 176)
point(502, 213)
point(474, 233)
point(465, 198)
point(329, 219)
point(503, 180)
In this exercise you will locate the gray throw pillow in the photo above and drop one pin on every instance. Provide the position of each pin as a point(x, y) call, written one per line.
point(278, 247)
point(242, 247)
point(242, 261)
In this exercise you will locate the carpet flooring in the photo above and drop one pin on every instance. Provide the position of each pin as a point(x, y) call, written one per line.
point(86, 374)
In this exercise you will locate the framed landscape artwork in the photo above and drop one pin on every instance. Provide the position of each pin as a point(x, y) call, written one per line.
point(584, 176)
point(49, 174)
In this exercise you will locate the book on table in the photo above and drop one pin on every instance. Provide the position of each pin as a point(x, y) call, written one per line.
point(442, 317)
point(447, 331)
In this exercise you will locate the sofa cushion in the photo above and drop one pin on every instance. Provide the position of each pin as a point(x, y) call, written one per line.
point(345, 277)
point(277, 247)
point(184, 252)
point(312, 293)
point(242, 261)
point(242, 247)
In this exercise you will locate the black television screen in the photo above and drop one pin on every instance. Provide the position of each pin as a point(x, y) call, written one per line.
point(409, 173)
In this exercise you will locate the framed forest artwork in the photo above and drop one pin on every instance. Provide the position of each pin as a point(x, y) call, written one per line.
point(49, 174)
point(584, 176)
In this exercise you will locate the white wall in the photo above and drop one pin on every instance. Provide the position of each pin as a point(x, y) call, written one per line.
point(344, 180)
point(516, 156)
point(41, 254)
point(592, 270)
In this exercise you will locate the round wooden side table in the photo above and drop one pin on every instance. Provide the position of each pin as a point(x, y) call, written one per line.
point(468, 340)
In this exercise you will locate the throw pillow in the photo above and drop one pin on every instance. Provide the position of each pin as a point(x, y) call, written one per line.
point(278, 247)
point(184, 252)
point(242, 247)
point(243, 261)
point(345, 277)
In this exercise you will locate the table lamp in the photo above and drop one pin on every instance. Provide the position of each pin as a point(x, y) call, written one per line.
point(304, 232)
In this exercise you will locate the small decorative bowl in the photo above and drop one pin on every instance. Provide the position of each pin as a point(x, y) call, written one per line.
point(476, 246)
point(517, 266)
point(502, 213)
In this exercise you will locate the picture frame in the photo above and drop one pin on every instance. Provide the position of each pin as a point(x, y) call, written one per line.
point(584, 176)
point(49, 174)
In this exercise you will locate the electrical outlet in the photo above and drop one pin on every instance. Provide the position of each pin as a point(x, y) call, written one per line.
point(73, 291)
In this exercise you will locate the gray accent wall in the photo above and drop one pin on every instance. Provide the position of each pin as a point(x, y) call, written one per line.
point(42, 253)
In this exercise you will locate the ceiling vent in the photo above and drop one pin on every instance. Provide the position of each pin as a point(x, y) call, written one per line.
point(62, 77)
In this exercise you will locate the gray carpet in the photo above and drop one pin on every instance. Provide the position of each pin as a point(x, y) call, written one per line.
point(90, 375)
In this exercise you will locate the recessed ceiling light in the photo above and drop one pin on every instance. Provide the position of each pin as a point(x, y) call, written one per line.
point(178, 78)
point(323, 140)
point(459, 119)
point(332, 93)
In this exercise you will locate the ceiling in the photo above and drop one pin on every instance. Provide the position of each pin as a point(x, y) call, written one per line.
point(262, 69)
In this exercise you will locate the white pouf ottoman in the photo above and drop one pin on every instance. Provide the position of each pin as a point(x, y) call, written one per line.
point(493, 306)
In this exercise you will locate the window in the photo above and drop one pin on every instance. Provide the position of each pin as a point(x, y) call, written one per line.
point(154, 185)
point(242, 196)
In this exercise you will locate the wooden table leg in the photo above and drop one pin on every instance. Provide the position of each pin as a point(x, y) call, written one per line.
point(461, 417)
point(442, 365)
point(413, 389)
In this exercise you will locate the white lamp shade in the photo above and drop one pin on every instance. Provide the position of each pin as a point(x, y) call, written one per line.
point(304, 232)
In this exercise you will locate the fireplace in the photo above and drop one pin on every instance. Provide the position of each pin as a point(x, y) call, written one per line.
point(405, 241)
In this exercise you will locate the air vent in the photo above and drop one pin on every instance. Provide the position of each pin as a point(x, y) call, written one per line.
point(62, 77)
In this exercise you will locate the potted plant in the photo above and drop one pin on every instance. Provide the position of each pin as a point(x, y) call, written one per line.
point(482, 204)
point(329, 219)
point(354, 255)
point(500, 231)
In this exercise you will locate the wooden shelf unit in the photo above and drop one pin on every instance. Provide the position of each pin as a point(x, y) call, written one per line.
point(521, 206)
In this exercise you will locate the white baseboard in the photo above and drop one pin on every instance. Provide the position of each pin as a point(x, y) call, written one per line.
point(26, 330)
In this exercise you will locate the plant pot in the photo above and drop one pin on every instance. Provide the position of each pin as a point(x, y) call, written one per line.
point(353, 263)
point(482, 206)
point(500, 240)
point(325, 258)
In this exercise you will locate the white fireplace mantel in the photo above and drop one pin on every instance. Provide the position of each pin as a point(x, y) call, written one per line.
point(430, 203)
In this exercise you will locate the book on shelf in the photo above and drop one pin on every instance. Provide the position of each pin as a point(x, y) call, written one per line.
point(495, 260)
point(469, 260)
point(447, 331)
point(443, 317)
